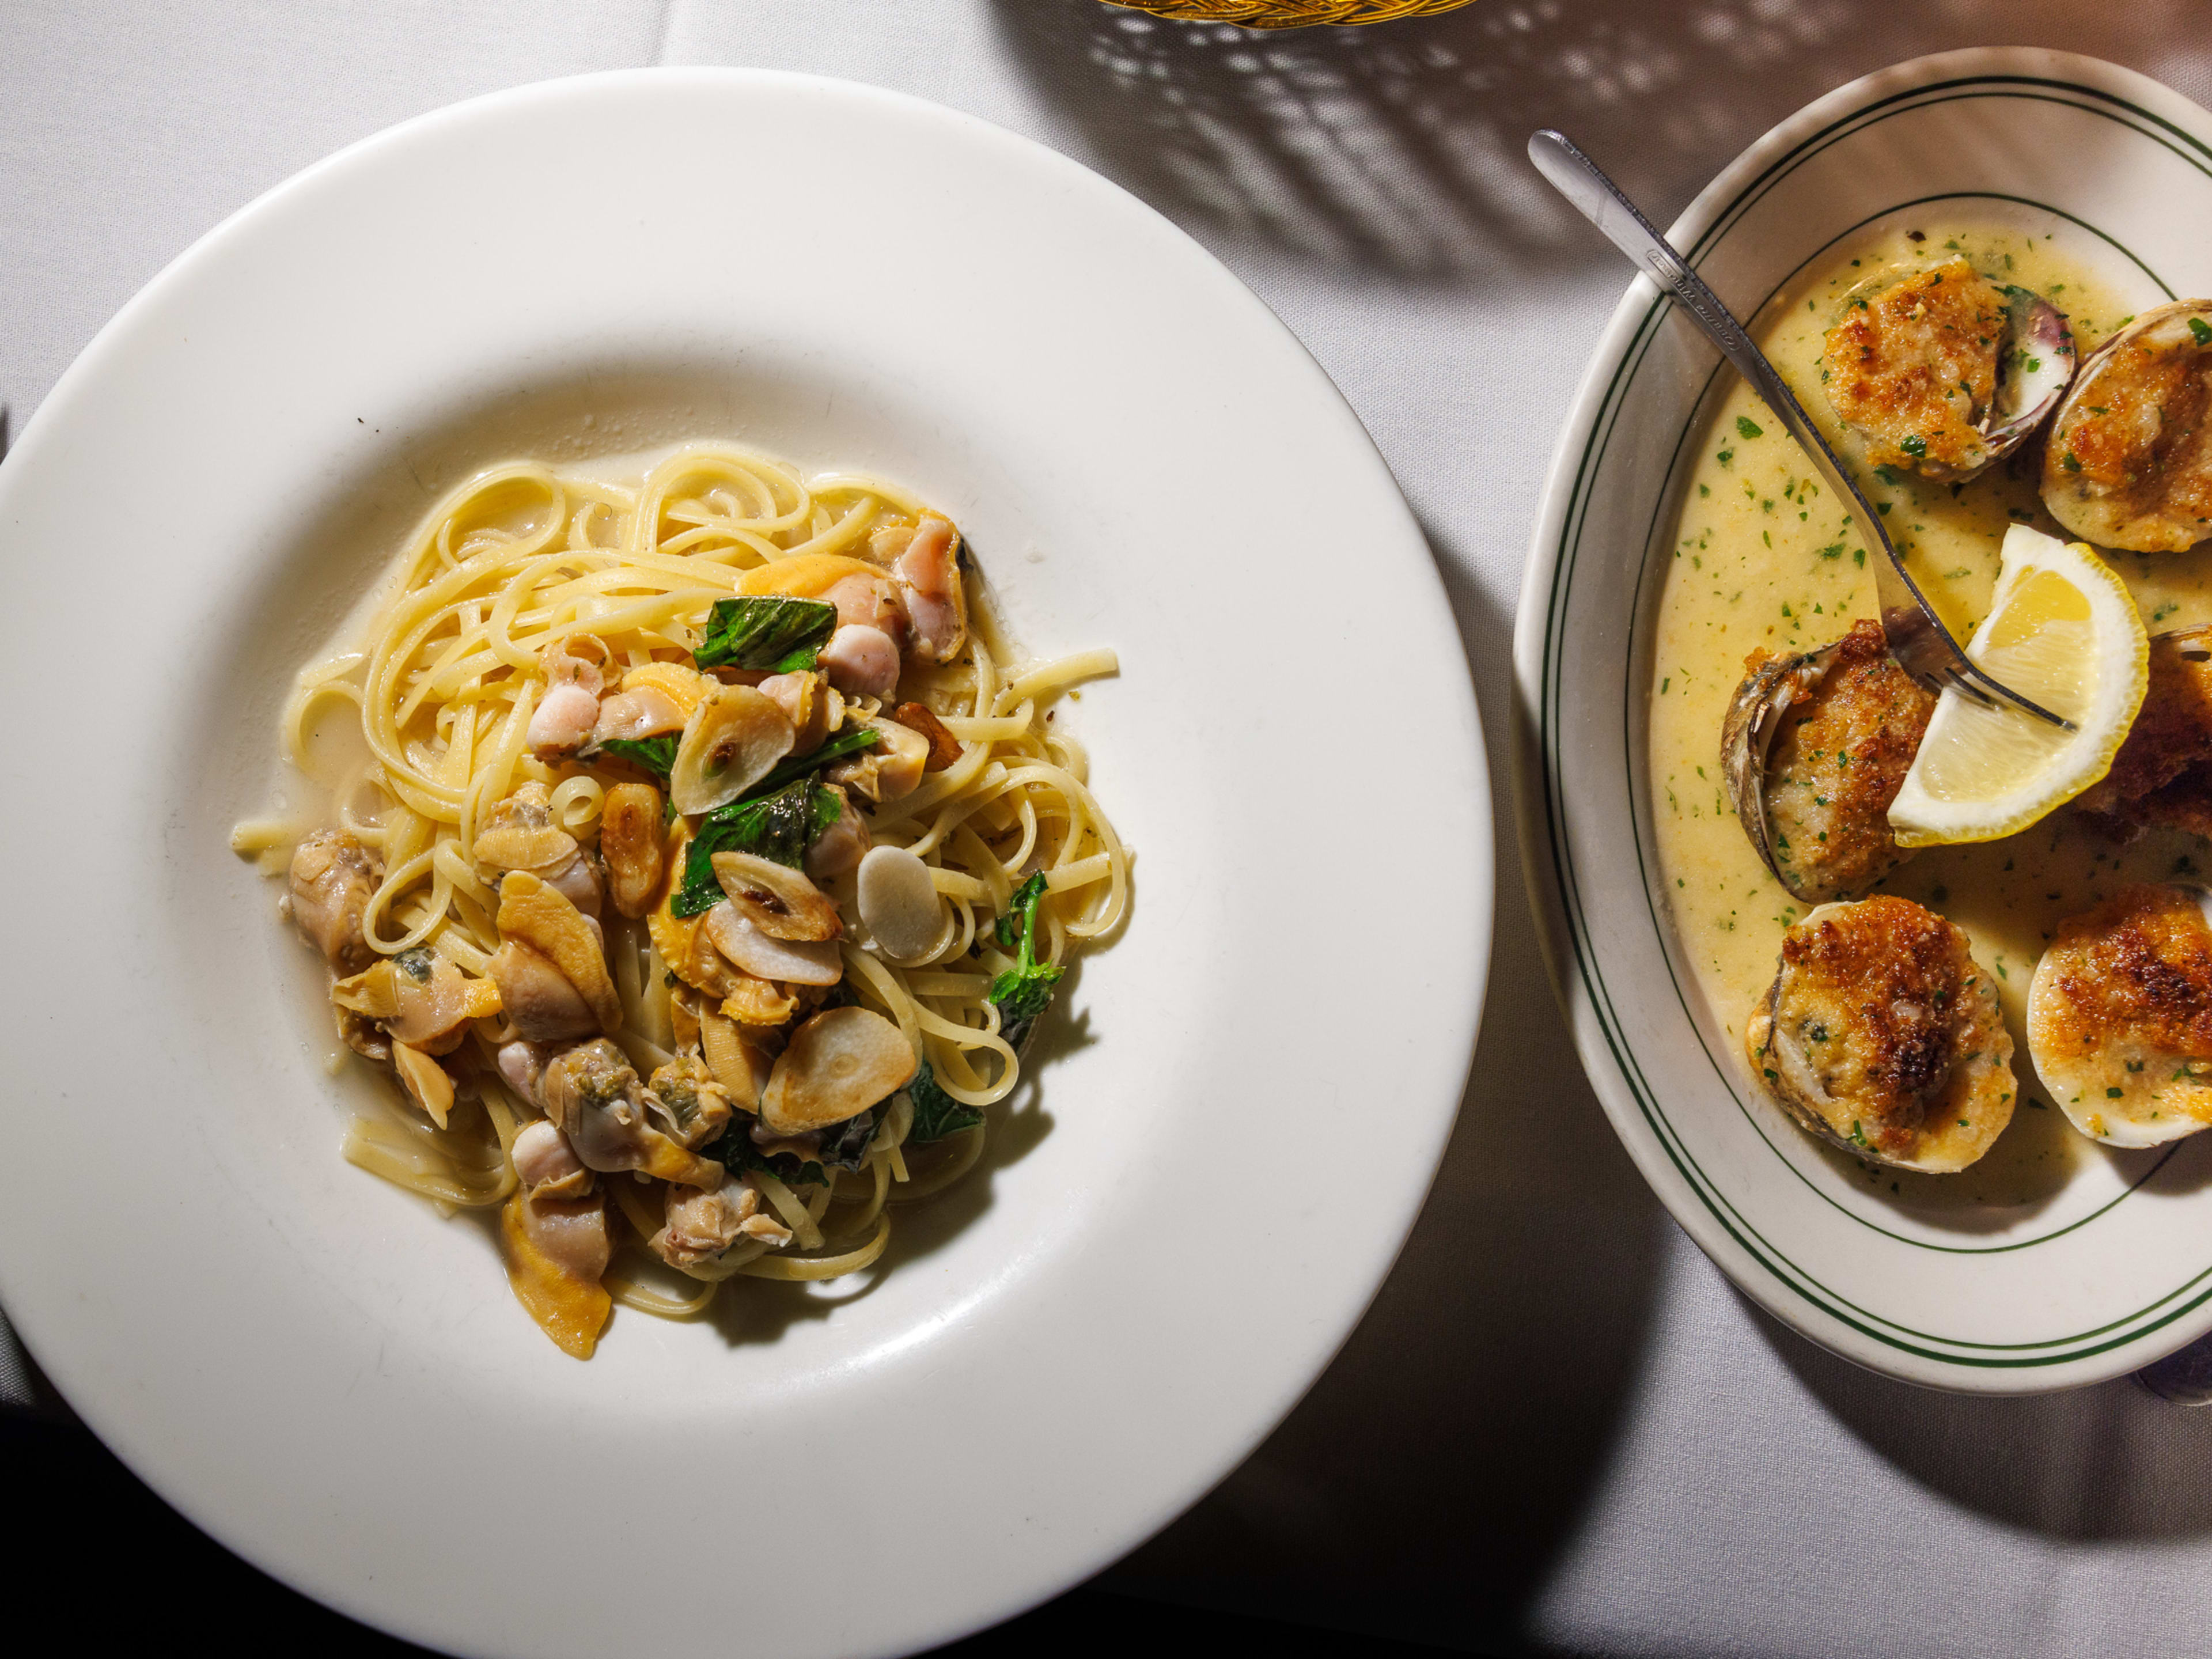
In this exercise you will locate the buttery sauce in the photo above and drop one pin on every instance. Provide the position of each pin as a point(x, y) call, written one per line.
point(1764, 557)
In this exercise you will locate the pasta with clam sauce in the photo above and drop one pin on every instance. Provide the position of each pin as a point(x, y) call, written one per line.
point(707, 858)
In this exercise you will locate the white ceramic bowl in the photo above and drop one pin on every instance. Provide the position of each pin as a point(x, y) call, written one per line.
point(2117, 1268)
point(1168, 1243)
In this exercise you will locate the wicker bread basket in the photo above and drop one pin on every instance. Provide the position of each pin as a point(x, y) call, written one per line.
point(1289, 14)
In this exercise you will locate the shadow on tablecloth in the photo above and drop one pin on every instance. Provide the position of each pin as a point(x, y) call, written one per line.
point(1397, 151)
point(2111, 1463)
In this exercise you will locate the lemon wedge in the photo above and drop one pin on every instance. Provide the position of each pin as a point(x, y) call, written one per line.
point(2063, 631)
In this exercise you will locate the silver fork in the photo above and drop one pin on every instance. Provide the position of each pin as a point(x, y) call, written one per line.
point(1923, 648)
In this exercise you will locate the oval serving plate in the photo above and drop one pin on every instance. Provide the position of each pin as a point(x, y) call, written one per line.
point(2115, 1267)
point(1144, 1275)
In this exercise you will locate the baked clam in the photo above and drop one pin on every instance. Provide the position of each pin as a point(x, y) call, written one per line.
point(1881, 1035)
point(1943, 372)
point(2119, 1015)
point(2162, 777)
point(1814, 748)
point(2130, 461)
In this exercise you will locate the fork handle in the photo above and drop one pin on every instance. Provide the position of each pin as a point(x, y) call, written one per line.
point(1923, 648)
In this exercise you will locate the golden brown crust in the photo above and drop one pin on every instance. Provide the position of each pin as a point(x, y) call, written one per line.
point(1913, 365)
point(2138, 442)
point(1877, 985)
point(2136, 968)
point(1836, 767)
point(2163, 773)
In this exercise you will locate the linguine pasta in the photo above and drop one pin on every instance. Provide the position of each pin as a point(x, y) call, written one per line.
point(523, 596)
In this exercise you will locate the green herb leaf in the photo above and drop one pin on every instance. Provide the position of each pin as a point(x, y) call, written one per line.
point(801, 661)
point(780, 827)
point(2199, 332)
point(736, 1153)
point(2070, 462)
point(777, 818)
point(1010, 925)
point(850, 741)
point(846, 1144)
point(656, 755)
point(1913, 445)
point(1024, 991)
point(936, 1113)
point(762, 631)
point(1748, 427)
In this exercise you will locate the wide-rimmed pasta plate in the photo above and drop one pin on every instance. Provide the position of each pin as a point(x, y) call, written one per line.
point(1141, 1273)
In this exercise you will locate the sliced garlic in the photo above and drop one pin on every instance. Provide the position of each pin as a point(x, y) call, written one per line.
point(898, 902)
point(793, 961)
point(777, 899)
point(733, 736)
point(839, 1064)
point(630, 840)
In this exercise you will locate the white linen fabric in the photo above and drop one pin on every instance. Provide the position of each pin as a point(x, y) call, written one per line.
point(1558, 1424)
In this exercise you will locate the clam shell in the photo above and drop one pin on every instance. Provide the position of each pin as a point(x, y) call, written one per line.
point(2113, 519)
point(2033, 374)
point(1754, 715)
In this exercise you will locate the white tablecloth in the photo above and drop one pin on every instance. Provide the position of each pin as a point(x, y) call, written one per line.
point(1557, 1421)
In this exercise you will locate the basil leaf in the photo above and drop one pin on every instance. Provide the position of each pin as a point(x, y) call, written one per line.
point(800, 661)
point(936, 1113)
point(761, 630)
point(1021, 995)
point(846, 1144)
point(777, 819)
point(656, 755)
point(1019, 909)
point(736, 1153)
point(850, 741)
point(776, 827)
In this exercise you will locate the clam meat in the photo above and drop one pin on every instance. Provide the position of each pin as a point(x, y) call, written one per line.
point(1814, 748)
point(2130, 461)
point(2119, 1015)
point(1943, 372)
point(1882, 1035)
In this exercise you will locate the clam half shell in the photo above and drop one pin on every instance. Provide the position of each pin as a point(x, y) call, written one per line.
point(2035, 361)
point(2130, 461)
point(2033, 374)
point(1755, 714)
point(1818, 815)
